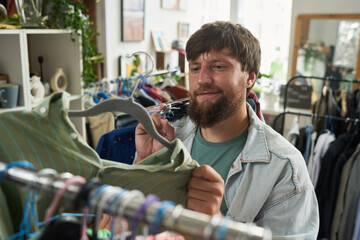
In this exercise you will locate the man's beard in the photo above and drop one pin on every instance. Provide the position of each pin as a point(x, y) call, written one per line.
point(207, 115)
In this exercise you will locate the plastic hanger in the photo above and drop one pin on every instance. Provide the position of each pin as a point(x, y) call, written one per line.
point(127, 106)
point(128, 197)
point(65, 227)
point(141, 213)
point(113, 207)
point(159, 215)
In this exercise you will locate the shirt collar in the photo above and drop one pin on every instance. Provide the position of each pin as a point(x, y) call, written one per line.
point(44, 107)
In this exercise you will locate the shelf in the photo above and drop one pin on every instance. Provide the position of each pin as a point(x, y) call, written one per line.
point(11, 109)
point(9, 31)
point(20, 50)
point(35, 31)
point(47, 31)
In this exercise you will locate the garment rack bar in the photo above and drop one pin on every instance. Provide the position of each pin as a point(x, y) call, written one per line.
point(185, 222)
point(314, 116)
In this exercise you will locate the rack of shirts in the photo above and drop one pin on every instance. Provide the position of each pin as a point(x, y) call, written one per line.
point(117, 202)
point(329, 139)
point(142, 88)
point(346, 104)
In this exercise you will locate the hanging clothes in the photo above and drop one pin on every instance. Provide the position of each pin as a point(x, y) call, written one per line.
point(329, 178)
point(118, 145)
point(308, 140)
point(57, 145)
point(321, 147)
point(311, 156)
point(99, 125)
point(326, 105)
point(351, 199)
point(340, 202)
point(294, 132)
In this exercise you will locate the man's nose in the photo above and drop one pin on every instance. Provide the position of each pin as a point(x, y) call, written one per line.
point(204, 76)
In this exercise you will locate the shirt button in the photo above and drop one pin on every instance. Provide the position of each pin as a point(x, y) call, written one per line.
point(233, 165)
point(73, 135)
point(43, 110)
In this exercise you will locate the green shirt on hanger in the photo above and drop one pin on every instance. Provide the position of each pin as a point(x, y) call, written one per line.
point(46, 138)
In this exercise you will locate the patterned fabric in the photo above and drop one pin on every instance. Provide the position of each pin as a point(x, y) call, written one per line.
point(6, 228)
point(172, 173)
point(46, 138)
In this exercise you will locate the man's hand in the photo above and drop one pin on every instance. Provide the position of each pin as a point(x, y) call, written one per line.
point(205, 191)
point(145, 144)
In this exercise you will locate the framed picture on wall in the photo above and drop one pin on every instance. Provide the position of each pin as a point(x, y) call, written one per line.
point(157, 36)
point(183, 29)
point(169, 4)
point(165, 44)
point(132, 20)
point(174, 4)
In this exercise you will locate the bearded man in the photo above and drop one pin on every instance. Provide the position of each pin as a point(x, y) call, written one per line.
point(248, 172)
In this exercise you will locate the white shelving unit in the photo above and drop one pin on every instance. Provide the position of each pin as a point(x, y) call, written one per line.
point(19, 52)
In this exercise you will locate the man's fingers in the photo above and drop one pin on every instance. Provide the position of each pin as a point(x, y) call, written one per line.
point(201, 206)
point(157, 121)
point(203, 185)
point(208, 173)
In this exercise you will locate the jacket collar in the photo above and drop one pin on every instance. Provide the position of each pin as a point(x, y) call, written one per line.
point(256, 147)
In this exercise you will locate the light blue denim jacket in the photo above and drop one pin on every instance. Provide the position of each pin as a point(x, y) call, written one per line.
point(268, 183)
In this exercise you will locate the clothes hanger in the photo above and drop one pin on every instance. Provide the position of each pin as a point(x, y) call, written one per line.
point(65, 227)
point(127, 106)
point(141, 213)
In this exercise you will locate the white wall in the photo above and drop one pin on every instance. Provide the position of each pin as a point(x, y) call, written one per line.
point(319, 7)
point(109, 22)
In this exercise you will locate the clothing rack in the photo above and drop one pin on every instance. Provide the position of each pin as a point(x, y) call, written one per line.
point(313, 116)
point(304, 114)
point(313, 77)
point(175, 219)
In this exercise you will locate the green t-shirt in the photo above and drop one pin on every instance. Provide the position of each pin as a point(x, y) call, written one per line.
point(220, 156)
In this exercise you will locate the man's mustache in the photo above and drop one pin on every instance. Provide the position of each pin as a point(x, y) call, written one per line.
point(203, 89)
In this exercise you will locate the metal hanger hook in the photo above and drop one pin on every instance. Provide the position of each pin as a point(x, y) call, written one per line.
point(128, 56)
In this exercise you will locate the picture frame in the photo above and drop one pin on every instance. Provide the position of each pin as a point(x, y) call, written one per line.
point(174, 4)
point(157, 35)
point(169, 4)
point(183, 30)
point(166, 47)
point(132, 20)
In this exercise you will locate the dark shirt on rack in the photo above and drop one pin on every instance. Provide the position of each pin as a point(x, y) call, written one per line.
point(118, 145)
point(326, 189)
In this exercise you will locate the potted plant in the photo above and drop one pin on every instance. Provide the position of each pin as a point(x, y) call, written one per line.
point(72, 14)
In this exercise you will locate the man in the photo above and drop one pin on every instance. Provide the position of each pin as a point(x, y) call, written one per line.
point(248, 172)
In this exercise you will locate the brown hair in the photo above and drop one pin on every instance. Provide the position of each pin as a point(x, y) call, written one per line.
point(226, 35)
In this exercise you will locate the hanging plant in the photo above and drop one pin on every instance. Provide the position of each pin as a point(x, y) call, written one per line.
point(72, 14)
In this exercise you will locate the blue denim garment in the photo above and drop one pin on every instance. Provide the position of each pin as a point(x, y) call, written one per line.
point(306, 154)
point(268, 183)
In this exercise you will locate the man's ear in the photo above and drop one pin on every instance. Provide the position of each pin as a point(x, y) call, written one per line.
point(251, 80)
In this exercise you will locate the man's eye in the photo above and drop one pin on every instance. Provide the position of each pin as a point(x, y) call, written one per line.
point(217, 66)
point(194, 69)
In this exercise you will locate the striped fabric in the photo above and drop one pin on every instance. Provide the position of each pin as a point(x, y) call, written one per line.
point(6, 227)
point(164, 173)
point(46, 138)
